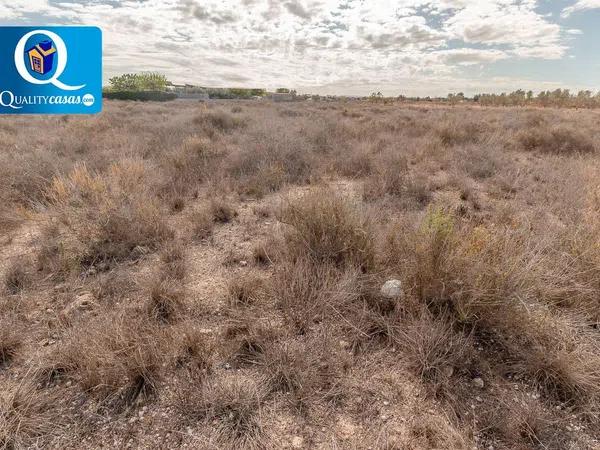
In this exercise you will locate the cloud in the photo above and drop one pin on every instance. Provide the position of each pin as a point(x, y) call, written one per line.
point(512, 23)
point(407, 31)
point(210, 13)
point(297, 9)
point(309, 43)
point(580, 5)
point(469, 56)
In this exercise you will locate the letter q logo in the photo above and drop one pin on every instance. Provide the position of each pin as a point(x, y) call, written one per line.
point(61, 53)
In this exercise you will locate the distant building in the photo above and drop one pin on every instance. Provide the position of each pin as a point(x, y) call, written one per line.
point(193, 95)
point(41, 57)
point(277, 97)
point(188, 91)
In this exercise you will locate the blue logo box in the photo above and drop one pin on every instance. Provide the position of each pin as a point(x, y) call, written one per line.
point(50, 70)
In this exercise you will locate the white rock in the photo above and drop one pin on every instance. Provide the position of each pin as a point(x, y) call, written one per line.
point(448, 371)
point(84, 301)
point(392, 289)
point(478, 382)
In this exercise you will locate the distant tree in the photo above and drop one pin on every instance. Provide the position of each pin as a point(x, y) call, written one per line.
point(376, 96)
point(125, 82)
point(148, 81)
point(282, 91)
point(153, 81)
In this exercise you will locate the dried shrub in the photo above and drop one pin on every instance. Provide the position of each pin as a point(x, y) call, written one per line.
point(114, 358)
point(267, 252)
point(17, 277)
point(271, 161)
point(301, 289)
point(431, 347)
point(248, 338)
point(109, 218)
point(246, 290)
point(193, 163)
point(220, 121)
point(203, 223)
point(166, 301)
point(232, 404)
point(451, 134)
point(29, 417)
point(389, 179)
point(222, 210)
point(524, 422)
point(10, 340)
point(328, 228)
point(172, 257)
point(195, 349)
point(311, 372)
point(355, 164)
point(558, 140)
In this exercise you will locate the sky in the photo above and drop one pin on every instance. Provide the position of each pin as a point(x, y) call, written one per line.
point(342, 47)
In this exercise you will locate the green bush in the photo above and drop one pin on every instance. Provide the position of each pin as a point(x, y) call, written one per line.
point(143, 96)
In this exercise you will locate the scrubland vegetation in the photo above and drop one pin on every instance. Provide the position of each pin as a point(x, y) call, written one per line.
point(209, 275)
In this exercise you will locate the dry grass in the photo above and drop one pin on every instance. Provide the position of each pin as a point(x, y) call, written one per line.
point(310, 373)
point(115, 360)
point(209, 275)
point(233, 405)
point(222, 211)
point(27, 416)
point(10, 341)
point(557, 140)
point(327, 228)
point(165, 302)
point(218, 120)
point(246, 290)
point(17, 277)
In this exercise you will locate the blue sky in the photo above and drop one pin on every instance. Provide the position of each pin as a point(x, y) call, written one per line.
point(412, 47)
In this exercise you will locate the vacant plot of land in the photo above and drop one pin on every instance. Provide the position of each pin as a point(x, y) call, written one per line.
point(209, 276)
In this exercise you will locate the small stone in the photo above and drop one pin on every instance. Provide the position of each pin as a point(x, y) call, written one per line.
point(392, 289)
point(297, 442)
point(243, 263)
point(345, 344)
point(479, 399)
point(386, 403)
point(478, 382)
point(448, 371)
point(84, 301)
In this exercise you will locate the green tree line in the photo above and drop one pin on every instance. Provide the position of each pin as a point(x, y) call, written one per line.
point(135, 82)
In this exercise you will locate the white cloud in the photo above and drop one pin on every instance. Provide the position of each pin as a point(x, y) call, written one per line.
point(470, 56)
point(580, 5)
point(306, 43)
